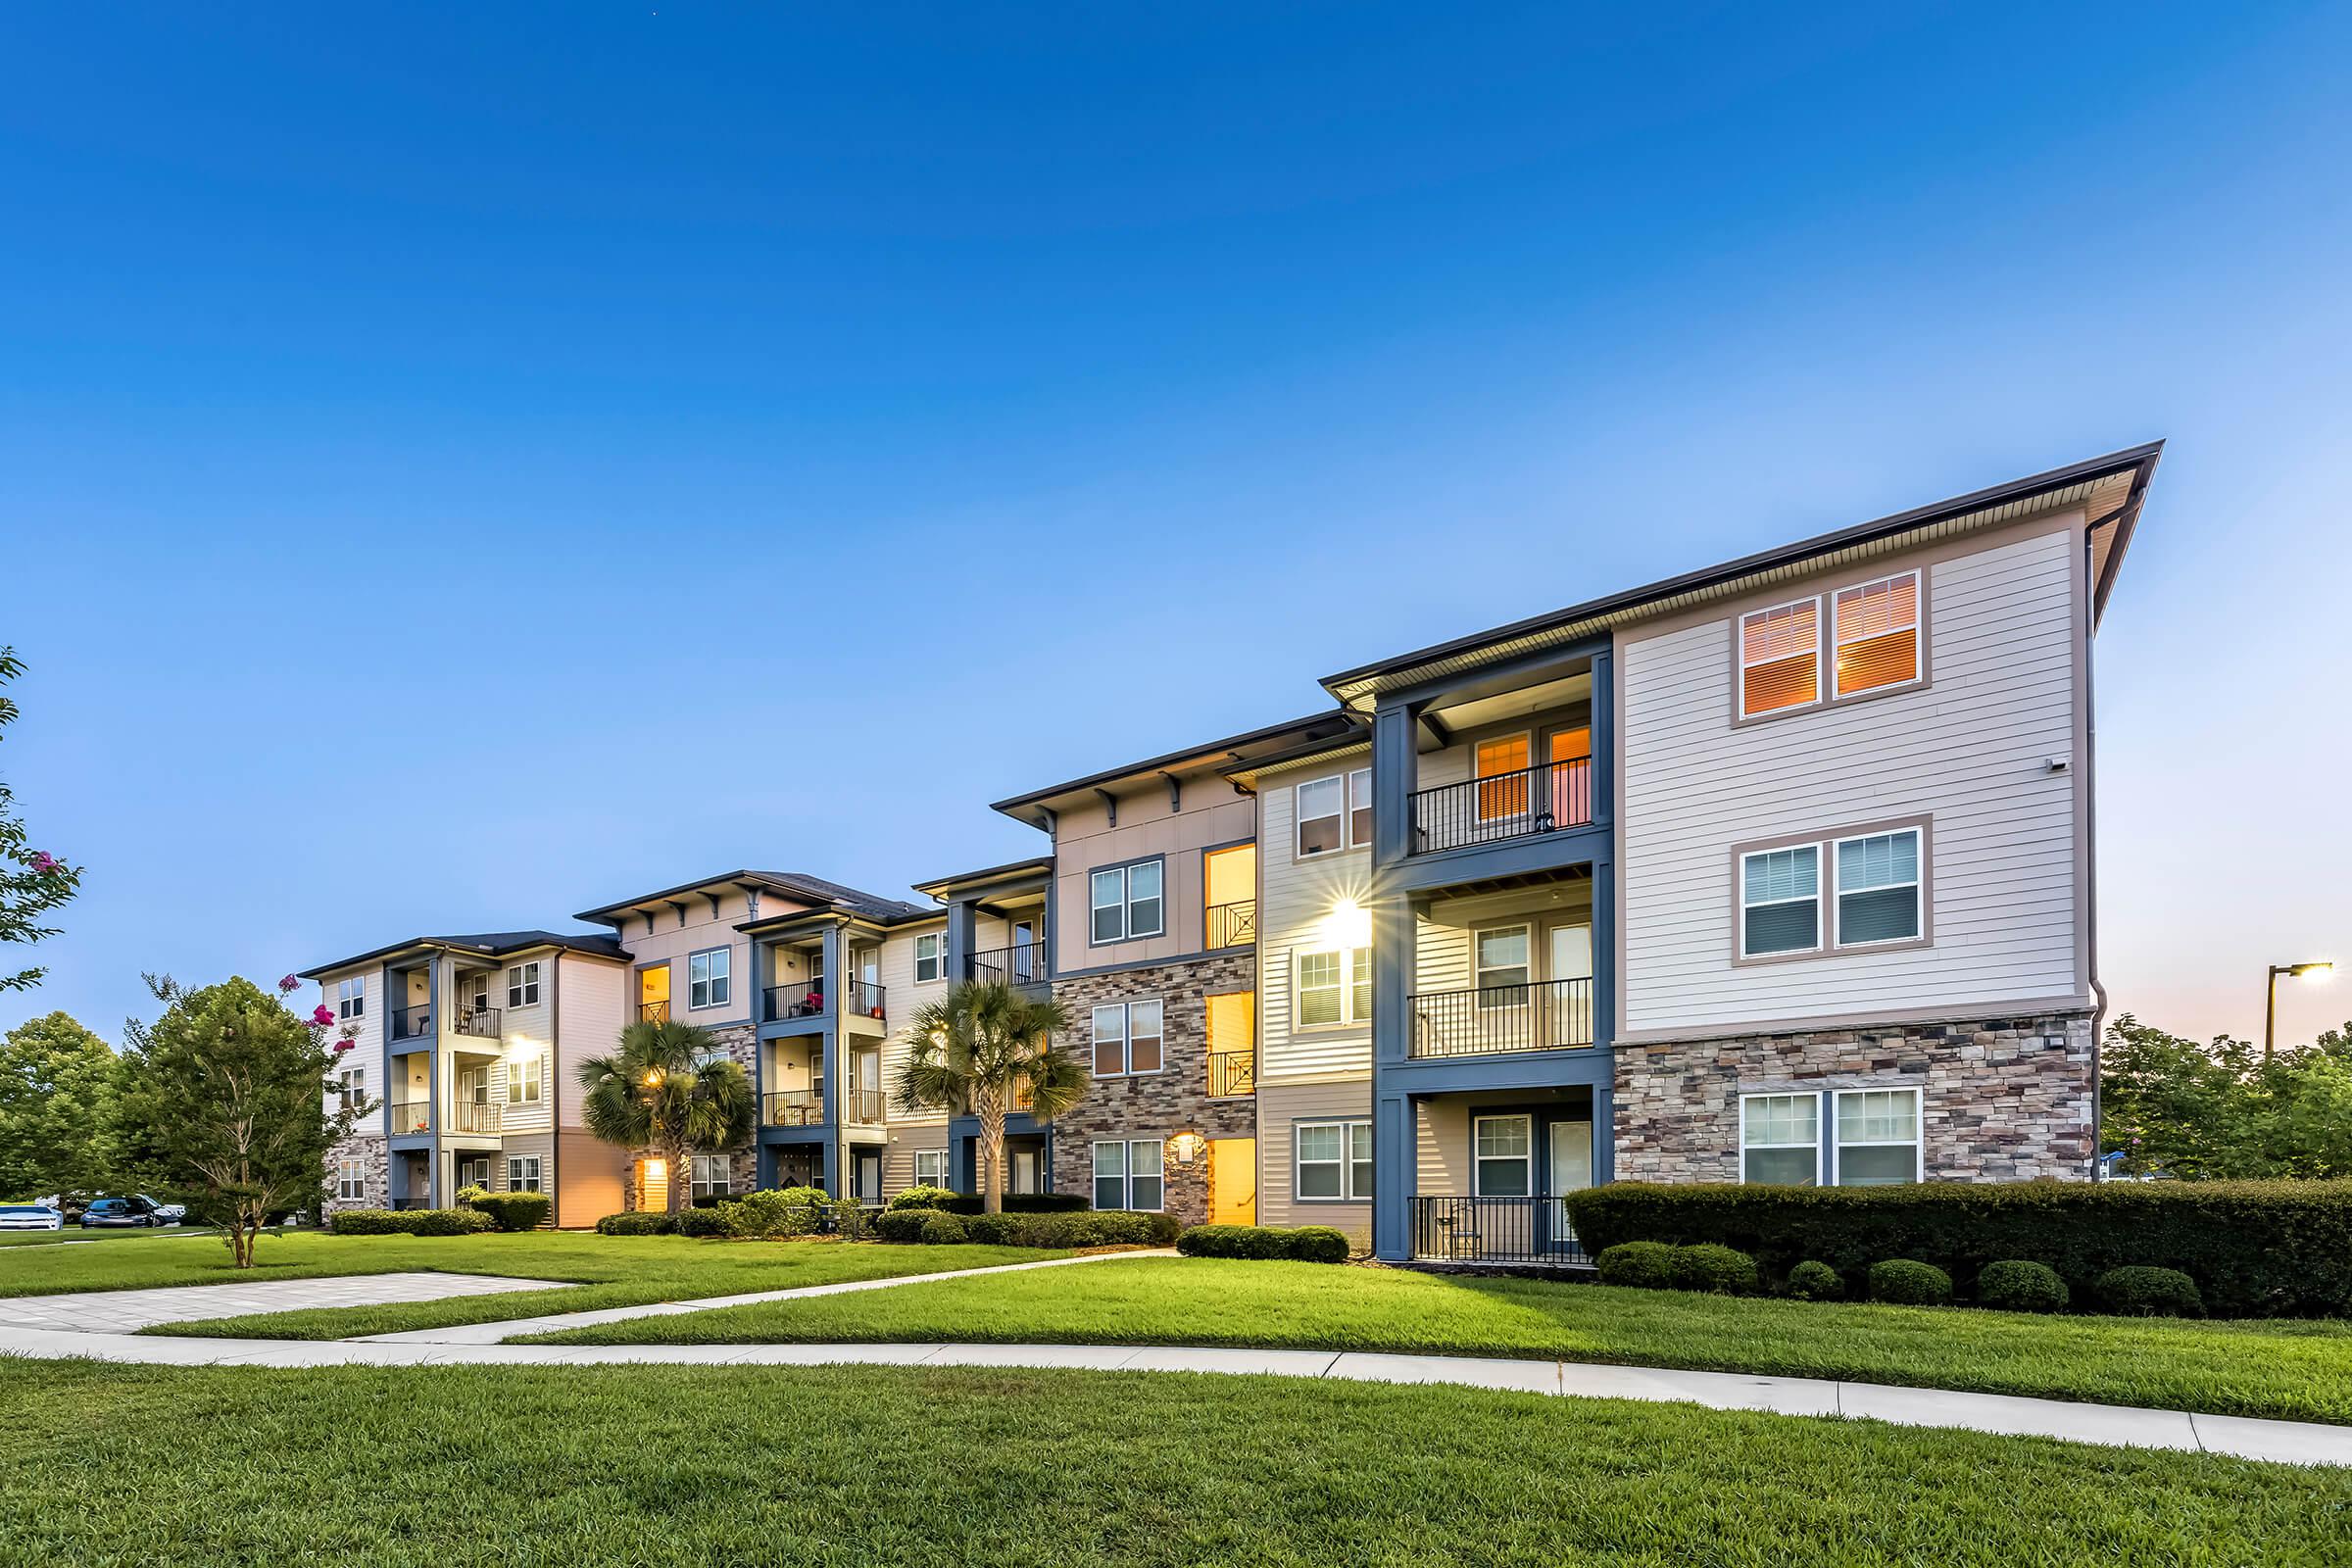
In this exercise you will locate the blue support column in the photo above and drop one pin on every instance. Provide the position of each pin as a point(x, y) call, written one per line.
point(962, 930)
point(1395, 1153)
point(1394, 771)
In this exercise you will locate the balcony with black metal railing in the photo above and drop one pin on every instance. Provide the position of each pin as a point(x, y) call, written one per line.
point(863, 998)
point(1531, 1230)
point(801, 998)
point(410, 1116)
point(1021, 965)
point(793, 1108)
point(481, 1023)
point(865, 1106)
point(412, 1024)
point(1232, 1074)
point(1544, 1015)
point(474, 1117)
point(653, 1013)
point(1229, 925)
point(1502, 805)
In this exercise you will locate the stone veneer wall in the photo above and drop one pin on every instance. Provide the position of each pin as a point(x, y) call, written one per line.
point(374, 1151)
point(741, 1042)
point(1158, 1104)
point(2004, 1098)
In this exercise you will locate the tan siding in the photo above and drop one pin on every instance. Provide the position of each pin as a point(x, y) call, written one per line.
point(1969, 752)
point(1295, 898)
point(903, 997)
point(1278, 1109)
point(594, 1004)
point(1084, 841)
point(590, 1180)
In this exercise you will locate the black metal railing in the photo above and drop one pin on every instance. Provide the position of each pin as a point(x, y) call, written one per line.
point(1493, 1230)
point(861, 999)
point(482, 1022)
point(410, 1116)
point(803, 998)
point(1230, 926)
point(863, 1105)
point(1503, 805)
point(793, 1108)
point(412, 1202)
point(653, 1013)
point(412, 1024)
point(1232, 1074)
point(474, 1116)
point(1549, 1016)
point(1022, 964)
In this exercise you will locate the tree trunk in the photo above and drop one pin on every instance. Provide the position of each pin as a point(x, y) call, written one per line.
point(991, 1155)
point(681, 1178)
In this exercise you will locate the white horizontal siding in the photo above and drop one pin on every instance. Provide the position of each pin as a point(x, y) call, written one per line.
point(1295, 899)
point(1971, 752)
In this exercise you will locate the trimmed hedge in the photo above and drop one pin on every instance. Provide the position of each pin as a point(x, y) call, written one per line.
point(2014, 1285)
point(410, 1222)
point(2254, 1249)
point(777, 1212)
point(1636, 1265)
point(1091, 1228)
point(968, 1204)
point(923, 1197)
point(637, 1222)
point(1815, 1281)
point(702, 1222)
point(1712, 1269)
point(2143, 1291)
point(1907, 1282)
point(943, 1229)
point(514, 1212)
point(1304, 1243)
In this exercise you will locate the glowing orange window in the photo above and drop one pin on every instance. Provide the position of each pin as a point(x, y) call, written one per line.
point(1780, 658)
point(1502, 772)
point(1876, 633)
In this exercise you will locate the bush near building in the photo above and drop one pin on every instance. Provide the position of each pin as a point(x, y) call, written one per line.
point(411, 1222)
point(1305, 1244)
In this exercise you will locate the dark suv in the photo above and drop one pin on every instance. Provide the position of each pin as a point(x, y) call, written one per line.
point(120, 1211)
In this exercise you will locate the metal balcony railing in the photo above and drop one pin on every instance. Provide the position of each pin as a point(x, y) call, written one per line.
point(477, 1117)
point(1230, 926)
point(803, 998)
point(1502, 805)
point(1232, 1074)
point(410, 1116)
point(412, 1024)
point(1547, 1015)
point(861, 999)
point(1493, 1230)
point(863, 1105)
point(482, 1022)
point(793, 1108)
point(653, 1013)
point(1022, 964)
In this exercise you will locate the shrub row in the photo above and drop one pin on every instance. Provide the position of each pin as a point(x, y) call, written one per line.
point(410, 1222)
point(637, 1222)
point(1107, 1227)
point(1305, 1244)
point(2010, 1285)
point(514, 1212)
point(2251, 1249)
point(954, 1202)
point(1656, 1266)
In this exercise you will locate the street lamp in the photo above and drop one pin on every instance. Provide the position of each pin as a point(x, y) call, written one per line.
point(2270, 1006)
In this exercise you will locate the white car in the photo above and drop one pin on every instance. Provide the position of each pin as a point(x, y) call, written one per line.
point(30, 1218)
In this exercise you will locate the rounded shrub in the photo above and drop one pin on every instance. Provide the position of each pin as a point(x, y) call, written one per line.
point(2014, 1285)
point(703, 1223)
point(2139, 1290)
point(923, 1197)
point(990, 1230)
point(637, 1222)
point(1319, 1244)
point(782, 1212)
point(1905, 1282)
point(1643, 1265)
point(902, 1224)
point(1305, 1244)
point(942, 1229)
point(514, 1212)
point(1815, 1281)
point(1713, 1269)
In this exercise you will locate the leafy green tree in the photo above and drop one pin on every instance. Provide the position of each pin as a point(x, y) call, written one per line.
point(224, 1098)
point(669, 1090)
point(2219, 1110)
point(57, 1087)
point(32, 882)
point(982, 1050)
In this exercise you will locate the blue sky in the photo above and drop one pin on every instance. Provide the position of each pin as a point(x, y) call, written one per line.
point(459, 466)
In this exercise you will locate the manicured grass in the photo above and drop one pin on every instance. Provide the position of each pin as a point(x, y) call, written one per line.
point(2300, 1369)
point(842, 1465)
point(611, 1271)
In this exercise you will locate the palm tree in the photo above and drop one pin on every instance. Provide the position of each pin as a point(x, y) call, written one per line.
point(978, 1050)
point(668, 1089)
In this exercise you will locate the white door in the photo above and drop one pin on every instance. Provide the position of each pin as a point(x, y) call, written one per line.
point(1570, 1021)
point(1024, 1170)
point(1569, 1144)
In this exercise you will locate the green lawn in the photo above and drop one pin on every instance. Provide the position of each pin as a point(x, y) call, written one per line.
point(2300, 1370)
point(518, 1467)
point(610, 1271)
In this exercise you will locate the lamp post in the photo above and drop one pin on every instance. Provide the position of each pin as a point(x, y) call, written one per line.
point(2270, 1005)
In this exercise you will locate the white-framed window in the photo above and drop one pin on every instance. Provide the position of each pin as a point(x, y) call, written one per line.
point(351, 1086)
point(522, 1173)
point(351, 1181)
point(1333, 1162)
point(710, 978)
point(1331, 989)
point(1780, 901)
point(1127, 1175)
point(1780, 1138)
point(526, 1078)
point(1879, 888)
point(1873, 634)
point(1334, 813)
point(930, 1168)
point(1127, 901)
point(1128, 1037)
point(1878, 1137)
point(1505, 1156)
point(522, 985)
point(712, 1175)
point(351, 997)
point(930, 957)
point(1780, 658)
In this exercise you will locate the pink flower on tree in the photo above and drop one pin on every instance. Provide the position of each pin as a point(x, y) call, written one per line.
point(341, 1046)
point(45, 861)
point(322, 1017)
point(289, 983)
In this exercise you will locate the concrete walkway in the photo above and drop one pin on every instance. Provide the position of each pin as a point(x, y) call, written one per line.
point(121, 1311)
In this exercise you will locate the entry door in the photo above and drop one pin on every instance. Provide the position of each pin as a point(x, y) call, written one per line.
point(653, 993)
point(1571, 1005)
point(1233, 1181)
point(1570, 777)
point(1569, 1146)
point(869, 1177)
point(1024, 1170)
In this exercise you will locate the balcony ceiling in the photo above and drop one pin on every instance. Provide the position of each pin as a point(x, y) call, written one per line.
point(1481, 712)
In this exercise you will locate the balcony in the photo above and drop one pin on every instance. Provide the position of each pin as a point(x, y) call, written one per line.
point(863, 1107)
point(803, 1000)
point(474, 1116)
point(861, 999)
point(1022, 964)
point(1230, 926)
point(653, 1013)
point(483, 1023)
point(1493, 1230)
point(792, 1107)
point(410, 1116)
point(412, 1024)
point(1550, 1015)
point(1232, 1074)
point(1502, 806)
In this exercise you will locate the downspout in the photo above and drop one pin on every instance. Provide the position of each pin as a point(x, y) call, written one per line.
point(2090, 840)
point(555, 1092)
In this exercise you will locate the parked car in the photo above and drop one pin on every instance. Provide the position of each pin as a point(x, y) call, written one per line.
point(120, 1211)
point(168, 1214)
point(30, 1218)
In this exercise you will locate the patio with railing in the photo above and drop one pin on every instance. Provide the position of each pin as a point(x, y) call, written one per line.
point(1493, 1230)
point(1502, 805)
point(1545, 1016)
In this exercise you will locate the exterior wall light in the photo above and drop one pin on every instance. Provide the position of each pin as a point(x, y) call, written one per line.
point(1186, 1147)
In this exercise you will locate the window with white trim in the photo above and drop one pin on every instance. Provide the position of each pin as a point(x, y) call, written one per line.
point(351, 998)
point(1333, 1162)
point(351, 1181)
point(351, 1086)
point(1126, 900)
point(526, 1078)
point(522, 1174)
point(1878, 1137)
point(522, 985)
point(1874, 634)
point(1128, 1037)
point(710, 978)
point(1127, 1175)
point(1879, 888)
point(1505, 1156)
point(1780, 658)
point(1499, 964)
point(1780, 1138)
point(1780, 901)
point(1332, 989)
point(712, 1175)
point(930, 1168)
point(1334, 813)
point(930, 957)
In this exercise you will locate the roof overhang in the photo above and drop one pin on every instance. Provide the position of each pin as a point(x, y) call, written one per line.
point(2110, 490)
point(1038, 807)
point(586, 946)
point(1012, 876)
point(709, 888)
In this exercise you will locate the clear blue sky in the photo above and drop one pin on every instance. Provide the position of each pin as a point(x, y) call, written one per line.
point(462, 465)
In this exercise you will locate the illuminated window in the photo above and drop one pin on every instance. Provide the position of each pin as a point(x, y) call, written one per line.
point(1501, 768)
point(1780, 658)
point(1876, 630)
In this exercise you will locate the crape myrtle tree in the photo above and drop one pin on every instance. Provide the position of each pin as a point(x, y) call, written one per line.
point(981, 1050)
point(224, 1100)
point(670, 1089)
point(32, 882)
